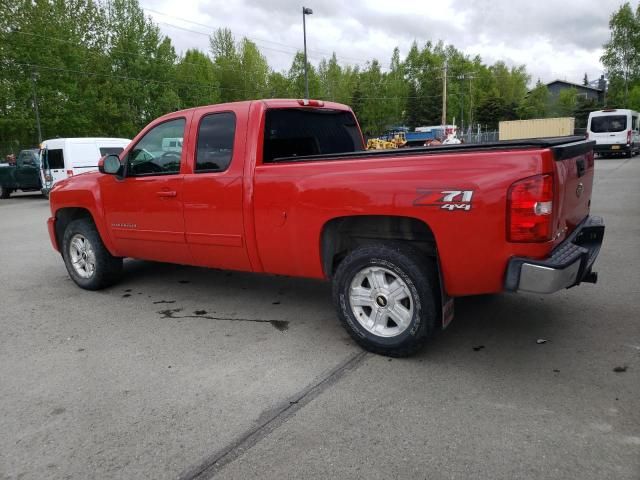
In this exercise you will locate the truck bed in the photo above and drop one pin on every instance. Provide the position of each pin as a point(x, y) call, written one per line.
point(562, 147)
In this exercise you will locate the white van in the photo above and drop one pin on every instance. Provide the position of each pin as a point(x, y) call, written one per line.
point(65, 157)
point(615, 130)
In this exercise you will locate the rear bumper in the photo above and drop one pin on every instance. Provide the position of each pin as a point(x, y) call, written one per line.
point(570, 262)
point(611, 148)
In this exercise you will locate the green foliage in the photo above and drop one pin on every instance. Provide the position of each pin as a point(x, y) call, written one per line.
point(566, 103)
point(536, 104)
point(101, 67)
point(621, 56)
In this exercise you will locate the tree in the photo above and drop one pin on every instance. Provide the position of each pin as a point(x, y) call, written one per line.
point(296, 78)
point(536, 103)
point(566, 103)
point(196, 82)
point(621, 56)
point(227, 65)
point(585, 80)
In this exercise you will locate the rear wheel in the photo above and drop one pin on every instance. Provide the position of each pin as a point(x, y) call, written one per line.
point(5, 192)
point(89, 263)
point(386, 295)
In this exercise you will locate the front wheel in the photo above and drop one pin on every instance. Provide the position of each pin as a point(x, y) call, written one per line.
point(89, 263)
point(5, 192)
point(386, 295)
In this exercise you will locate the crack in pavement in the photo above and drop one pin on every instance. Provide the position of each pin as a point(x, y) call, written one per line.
point(280, 325)
point(270, 421)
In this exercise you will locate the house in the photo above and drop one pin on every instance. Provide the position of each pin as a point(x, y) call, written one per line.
point(590, 91)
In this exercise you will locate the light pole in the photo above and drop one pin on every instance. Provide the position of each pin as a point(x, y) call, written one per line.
point(305, 11)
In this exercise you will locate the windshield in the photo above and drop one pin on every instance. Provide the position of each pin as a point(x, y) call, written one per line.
point(609, 123)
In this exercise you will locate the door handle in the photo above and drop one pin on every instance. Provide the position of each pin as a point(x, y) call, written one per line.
point(167, 193)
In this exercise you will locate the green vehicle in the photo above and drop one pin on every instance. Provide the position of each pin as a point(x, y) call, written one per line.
point(24, 175)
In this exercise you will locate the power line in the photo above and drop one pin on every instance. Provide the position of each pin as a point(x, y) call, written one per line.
point(192, 84)
point(250, 38)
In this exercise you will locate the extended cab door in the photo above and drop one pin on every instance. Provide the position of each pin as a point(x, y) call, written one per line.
point(144, 209)
point(213, 190)
point(27, 171)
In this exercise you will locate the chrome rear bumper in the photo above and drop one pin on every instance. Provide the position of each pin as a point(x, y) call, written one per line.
point(570, 262)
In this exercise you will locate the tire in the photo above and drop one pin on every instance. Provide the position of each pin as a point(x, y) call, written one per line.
point(5, 192)
point(386, 298)
point(81, 243)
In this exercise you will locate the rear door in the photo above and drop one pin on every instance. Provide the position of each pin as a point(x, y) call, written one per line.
point(27, 172)
point(609, 129)
point(54, 161)
point(213, 191)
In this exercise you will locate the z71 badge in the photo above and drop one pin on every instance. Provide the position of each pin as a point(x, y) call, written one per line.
point(445, 199)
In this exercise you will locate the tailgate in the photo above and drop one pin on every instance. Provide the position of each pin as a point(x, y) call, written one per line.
point(574, 168)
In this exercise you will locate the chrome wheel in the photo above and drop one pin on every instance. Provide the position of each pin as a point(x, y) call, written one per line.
point(83, 258)
point(381, 301)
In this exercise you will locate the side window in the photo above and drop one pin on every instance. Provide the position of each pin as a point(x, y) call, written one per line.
point(215, 142)
point(159, 151)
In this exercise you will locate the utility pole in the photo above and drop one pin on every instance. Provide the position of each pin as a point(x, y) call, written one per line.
point(444, 96)
point(35, 105)
point(305, 11)
point(461, 114)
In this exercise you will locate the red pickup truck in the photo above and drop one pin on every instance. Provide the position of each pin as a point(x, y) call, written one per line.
point(286, 187)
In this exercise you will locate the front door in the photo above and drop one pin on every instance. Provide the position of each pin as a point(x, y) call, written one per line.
point(28, 171)
point(213, 192)
point(144, 209)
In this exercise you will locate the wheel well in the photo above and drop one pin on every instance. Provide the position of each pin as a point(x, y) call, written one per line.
point(343, 234)
point(64, 216)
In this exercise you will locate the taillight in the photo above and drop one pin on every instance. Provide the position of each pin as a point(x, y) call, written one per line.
point(530, 209)
point(69, 173)
point(628, 137)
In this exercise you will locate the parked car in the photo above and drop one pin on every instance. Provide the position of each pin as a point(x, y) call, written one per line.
point(64, 157)
point(615, 131)
point(24, 175)
point(286, 187)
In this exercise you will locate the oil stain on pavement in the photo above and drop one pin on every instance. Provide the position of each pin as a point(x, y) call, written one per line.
point(280, 325)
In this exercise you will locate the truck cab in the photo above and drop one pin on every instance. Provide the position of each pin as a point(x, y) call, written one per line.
point(24, 175)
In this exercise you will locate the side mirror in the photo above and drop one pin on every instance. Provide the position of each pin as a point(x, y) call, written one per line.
point(110, 165)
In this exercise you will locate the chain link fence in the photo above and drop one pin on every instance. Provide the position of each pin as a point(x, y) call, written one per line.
point(482, 137)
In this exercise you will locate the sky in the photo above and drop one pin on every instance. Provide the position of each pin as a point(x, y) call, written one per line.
point(554, 39)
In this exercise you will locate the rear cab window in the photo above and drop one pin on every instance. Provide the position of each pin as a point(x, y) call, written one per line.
point(299, 132)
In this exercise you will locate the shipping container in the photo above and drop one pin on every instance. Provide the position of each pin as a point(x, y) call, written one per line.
point(537, 128)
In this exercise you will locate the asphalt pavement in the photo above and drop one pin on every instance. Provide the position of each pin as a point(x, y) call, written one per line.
point(189, 373)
